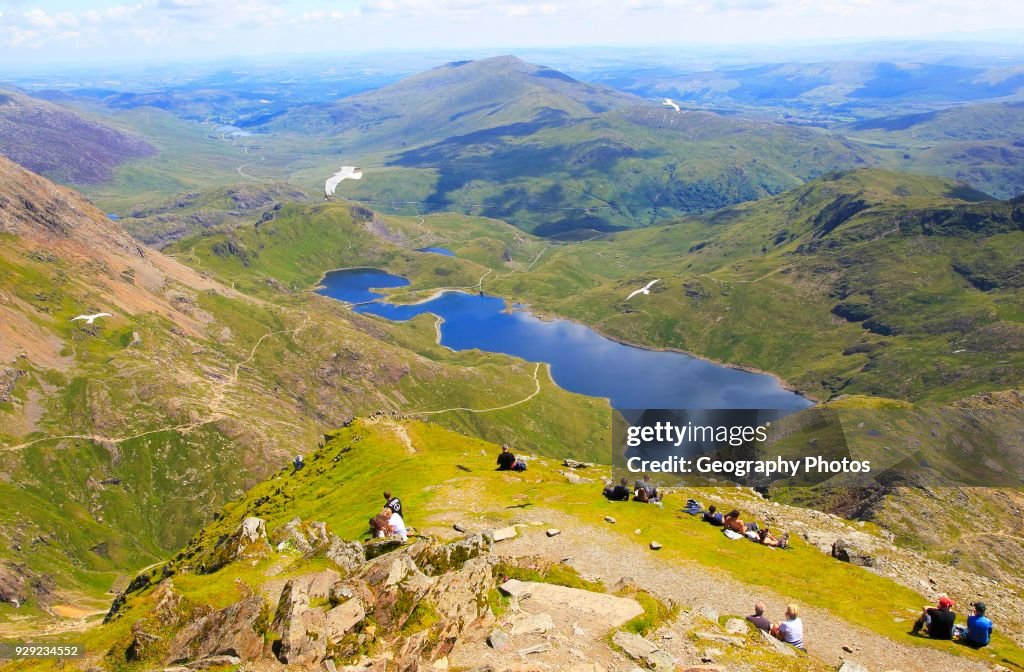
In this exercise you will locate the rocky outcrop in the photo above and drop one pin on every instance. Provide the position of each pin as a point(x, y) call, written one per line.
point(233, 631)
point(248, 541)
point(18, 584)
point(641, 650)
point(303, 630)
point(306, 538)
point(853, 553)
point(347, 555)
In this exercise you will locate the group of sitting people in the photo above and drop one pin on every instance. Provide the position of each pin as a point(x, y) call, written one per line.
point(643, 491)
point(733, 527)
point(939, 622)
point(790, 631)
point(389, 522)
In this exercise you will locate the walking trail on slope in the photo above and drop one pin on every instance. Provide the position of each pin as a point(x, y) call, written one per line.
point(594, 552)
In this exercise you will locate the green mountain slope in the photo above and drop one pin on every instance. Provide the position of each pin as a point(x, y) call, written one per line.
point(119, 439)
point(61, 143)
point(455, 99)
point(867, 282)
point(502, 138)
point(982, 145)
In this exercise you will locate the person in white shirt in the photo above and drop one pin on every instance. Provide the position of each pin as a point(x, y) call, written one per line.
point(791, 630)
point(397, 525)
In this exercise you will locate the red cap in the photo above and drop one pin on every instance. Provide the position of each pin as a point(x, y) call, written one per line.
point(946, 603)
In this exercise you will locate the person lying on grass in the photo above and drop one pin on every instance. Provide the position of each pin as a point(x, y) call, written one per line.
point(765, 537)
point(617, 493)
point(713, 516)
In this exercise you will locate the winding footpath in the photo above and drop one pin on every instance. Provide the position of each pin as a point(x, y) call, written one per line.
point(217, 410)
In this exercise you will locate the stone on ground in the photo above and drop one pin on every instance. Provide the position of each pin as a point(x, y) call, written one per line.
point(553, 532)
point(655, 546)
point(504, 533)
point(850, 666)
point(781, 647)
point(640, 649)
point(498, 639)
point(609, 519)
point(736, 626)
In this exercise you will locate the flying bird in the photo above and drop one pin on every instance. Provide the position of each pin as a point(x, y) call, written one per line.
point(643, 290)
point(346, 173)
point(89, 319)
point(670, 103)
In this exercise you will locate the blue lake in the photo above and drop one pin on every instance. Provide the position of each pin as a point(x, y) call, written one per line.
point(581, 360)
point(437, 250)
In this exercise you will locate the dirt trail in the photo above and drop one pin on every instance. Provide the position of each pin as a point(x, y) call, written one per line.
point(216, 407)
point(594, 552)
point(536, 391)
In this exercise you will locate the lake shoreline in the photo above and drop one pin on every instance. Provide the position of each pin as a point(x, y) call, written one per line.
point(550, 317)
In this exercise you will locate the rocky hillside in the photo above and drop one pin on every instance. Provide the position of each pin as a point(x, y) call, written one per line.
point(62, 144)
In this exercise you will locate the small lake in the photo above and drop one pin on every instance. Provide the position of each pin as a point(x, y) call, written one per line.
point(581, 360)
point(437, 250)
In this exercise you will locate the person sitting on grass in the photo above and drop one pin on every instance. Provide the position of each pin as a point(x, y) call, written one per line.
point(396, 524)
point(380, 524)
point(506, 459)
point(791, 630)
point(758, 619)
point(765, 537)
point(393, 503)
point(646, 491)
point(937, 621)
point(978, 632)
point(713, 516)
point(617, 493)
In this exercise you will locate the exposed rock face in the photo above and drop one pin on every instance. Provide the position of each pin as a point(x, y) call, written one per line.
point(14, 586)
point(232, 631)
point(8, 379)
point(855, 554)
point(249, 540)
point(348, 555)
point(142, 641)
point(302, 629)
point(638, 648)
point(306, 538)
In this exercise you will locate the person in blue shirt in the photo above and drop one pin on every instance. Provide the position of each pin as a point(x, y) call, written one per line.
point(979, 628)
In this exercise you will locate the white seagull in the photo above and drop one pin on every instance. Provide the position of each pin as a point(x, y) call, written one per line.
point(670, 103)
point(346, 173)
point(643, 290)
point(89, 319)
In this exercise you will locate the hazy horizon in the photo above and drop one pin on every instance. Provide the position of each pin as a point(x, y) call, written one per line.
point(34, 35)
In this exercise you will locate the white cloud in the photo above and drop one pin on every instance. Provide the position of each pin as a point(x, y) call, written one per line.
point(237, 26)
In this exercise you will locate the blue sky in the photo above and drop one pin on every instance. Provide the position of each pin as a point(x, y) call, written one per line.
point(125, 30)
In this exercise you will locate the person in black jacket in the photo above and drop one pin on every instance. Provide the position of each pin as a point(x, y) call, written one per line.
point(506, 460)
point(394, 503)
point(937, 621)
point(617, 493)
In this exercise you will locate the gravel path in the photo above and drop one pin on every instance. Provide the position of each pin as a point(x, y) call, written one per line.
point(593, 552)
